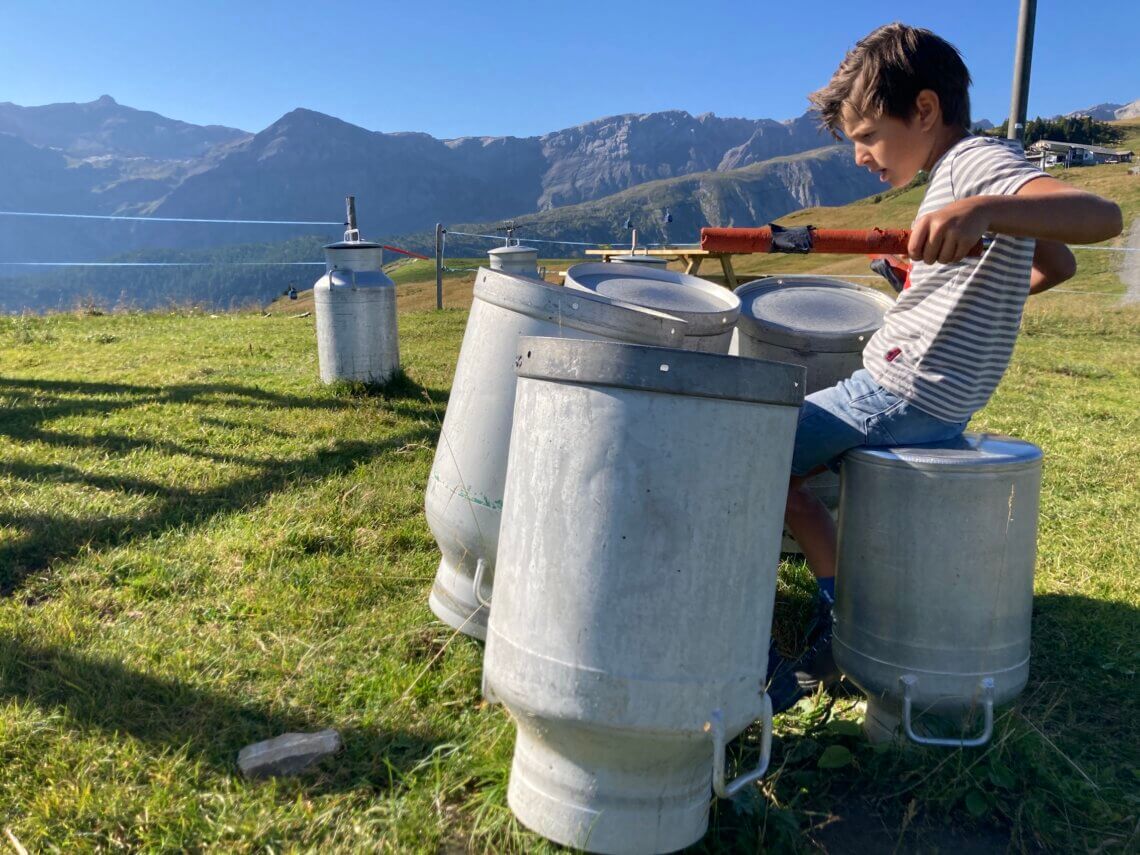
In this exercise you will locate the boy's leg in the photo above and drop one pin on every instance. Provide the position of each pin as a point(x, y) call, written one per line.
point(810, 523)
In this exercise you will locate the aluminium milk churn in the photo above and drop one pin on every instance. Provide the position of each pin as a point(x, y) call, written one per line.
point(464, 496)
point(355, 308)
point(934, 587)
point(636, 572)
point(709, 310)
point(818, 322)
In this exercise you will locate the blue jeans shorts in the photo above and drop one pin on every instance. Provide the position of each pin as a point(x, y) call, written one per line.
point(858, 412)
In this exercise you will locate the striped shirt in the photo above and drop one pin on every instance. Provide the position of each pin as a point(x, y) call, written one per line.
point(948, 339)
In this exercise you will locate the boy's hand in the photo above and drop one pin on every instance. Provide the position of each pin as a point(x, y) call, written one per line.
point(948, 234)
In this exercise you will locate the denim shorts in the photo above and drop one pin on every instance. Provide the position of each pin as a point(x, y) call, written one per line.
point(858, 412)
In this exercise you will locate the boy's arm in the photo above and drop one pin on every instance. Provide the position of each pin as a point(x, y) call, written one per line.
point(1043, 208)
point(1053, 263)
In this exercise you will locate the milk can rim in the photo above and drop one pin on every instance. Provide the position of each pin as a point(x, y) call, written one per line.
point(984, 451)
point(536, 298)
point(661, 369)
point(782, 336)
point(710, 321)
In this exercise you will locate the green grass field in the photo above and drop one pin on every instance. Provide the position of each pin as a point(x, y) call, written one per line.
point(201, 546)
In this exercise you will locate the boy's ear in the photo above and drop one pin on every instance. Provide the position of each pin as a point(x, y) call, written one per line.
point(928, 109)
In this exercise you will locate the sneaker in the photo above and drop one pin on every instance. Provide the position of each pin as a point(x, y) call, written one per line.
point(817, 665)
point(783, 687)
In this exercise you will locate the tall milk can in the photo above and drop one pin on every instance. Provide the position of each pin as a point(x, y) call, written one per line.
point(934, 587)
point(709, 310)
point(637, 573)
point(818, 322)
point(355, 308)
point(464, 496)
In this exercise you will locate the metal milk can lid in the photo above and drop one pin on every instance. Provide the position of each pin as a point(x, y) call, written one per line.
point(819, 314)
point(970, 451)
point(709, 309)
point(513, 250)
point(661, 369)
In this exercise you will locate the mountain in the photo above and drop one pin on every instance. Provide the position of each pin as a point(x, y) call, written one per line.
point(409, 181)
point(1129, 111)
point(1109, 112)
point(752, 195)
point(105, 127)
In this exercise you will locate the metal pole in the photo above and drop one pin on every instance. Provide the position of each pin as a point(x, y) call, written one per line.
point(439, 265)
point(1022, 60)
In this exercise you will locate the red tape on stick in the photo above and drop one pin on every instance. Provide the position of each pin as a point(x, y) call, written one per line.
point(835, 241)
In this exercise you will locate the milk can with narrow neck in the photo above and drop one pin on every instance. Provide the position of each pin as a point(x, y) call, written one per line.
point(355, 308)
point(464, 497)
point(934, 583)
point(636, 580)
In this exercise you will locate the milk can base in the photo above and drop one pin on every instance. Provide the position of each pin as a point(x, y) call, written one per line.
point(882, 723)
point(612, 830)
point(469, 618)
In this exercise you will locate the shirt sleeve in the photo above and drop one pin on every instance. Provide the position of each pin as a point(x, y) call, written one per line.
point(991, 168)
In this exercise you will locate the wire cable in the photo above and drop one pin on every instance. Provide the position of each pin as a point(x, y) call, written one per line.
point(172, 219)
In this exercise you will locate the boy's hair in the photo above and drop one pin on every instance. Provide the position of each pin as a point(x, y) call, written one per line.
point(885, 71)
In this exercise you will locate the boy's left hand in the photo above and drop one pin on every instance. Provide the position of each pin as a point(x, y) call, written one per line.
point(948, 234)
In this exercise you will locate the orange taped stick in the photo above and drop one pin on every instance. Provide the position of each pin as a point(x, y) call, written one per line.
point(838, 241)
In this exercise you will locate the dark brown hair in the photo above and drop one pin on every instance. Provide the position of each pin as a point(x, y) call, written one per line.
point(885, 71)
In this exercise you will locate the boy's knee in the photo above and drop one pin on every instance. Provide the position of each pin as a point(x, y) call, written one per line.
point(801, 500)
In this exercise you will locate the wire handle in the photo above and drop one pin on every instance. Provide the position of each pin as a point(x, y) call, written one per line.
point(715, 727)
point(477, 582)
point(909, 681)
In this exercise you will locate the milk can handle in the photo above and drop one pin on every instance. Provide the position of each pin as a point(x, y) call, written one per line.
point(987, 686)
point(477, 582)
point(715, 726)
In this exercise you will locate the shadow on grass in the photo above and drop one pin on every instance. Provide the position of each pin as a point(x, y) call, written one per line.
point(48, 537)
point(211, 728)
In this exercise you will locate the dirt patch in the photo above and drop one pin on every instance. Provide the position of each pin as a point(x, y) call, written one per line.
point(857, 828)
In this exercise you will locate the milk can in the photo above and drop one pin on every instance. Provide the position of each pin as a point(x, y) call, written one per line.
point(934, 588)
point(818, 322)
point(519, 260)
point(464, 496)
point(355, 308)
point(637, 572)
point(710, 310)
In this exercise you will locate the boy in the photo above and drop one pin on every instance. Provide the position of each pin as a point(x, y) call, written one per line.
point(901, 96)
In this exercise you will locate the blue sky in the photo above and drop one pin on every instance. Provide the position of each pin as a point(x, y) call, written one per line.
point(456, 69)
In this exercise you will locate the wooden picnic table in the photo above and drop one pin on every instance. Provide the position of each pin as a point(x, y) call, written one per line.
point(691, 258)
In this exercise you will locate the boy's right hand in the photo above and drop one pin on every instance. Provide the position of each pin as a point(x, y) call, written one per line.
point(947, 235)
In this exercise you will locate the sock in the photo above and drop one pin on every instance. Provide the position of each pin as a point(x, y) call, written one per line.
point(826, 588)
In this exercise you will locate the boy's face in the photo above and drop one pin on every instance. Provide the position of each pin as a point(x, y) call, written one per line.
point(896, 149)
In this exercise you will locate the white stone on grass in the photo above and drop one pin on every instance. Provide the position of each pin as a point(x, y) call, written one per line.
point(287, 754)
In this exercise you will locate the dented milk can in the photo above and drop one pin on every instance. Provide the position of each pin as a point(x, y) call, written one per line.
point(818, 322)
point(355, 308)
point(934, 587)
point(637, 572)
point(465, 488)
point(709, 310)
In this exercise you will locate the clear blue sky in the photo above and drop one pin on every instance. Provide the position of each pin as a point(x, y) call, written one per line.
point(478, 68)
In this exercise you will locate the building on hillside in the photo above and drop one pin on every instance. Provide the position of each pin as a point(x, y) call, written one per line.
point(1054, 153)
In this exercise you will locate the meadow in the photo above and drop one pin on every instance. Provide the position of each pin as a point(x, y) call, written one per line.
point(201, 546)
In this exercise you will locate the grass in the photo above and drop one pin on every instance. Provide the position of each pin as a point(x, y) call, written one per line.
point(201, 546)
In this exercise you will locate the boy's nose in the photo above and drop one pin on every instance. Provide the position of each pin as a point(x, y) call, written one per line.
point(862, 155)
